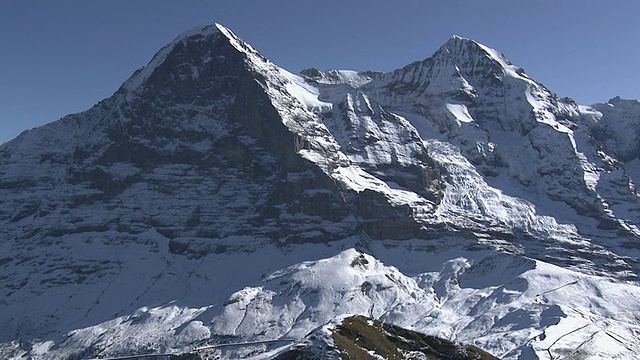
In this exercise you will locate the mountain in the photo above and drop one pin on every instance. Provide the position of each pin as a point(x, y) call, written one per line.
point(219, 204)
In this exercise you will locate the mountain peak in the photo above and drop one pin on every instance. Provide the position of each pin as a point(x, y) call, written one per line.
point(192, 50)
point(141, 75)
point(460, 39)
point(460, 49)
point(458, 46)
point(454, 68)
point(200, 30)
point(237, 42)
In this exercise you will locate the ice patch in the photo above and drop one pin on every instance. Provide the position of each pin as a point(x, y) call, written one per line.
point(303, 92)
point(510, 69)
point(589, 110)
point(540, 109)
point(350, 77)
point(461, 112)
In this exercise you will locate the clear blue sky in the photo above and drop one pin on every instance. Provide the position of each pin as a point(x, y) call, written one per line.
point(60, 57)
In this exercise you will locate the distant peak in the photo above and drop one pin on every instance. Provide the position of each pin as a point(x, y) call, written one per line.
point(142, 74)
point(207, 30)
point(463, 43)
point(460, 48)
point(199, 30)
point(226, 32)
point(458, 38)
point(237, 42)
point(620, 102)
point(214, 34)
point(460, 44)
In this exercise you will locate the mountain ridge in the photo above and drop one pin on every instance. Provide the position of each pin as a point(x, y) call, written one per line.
point(150, 220)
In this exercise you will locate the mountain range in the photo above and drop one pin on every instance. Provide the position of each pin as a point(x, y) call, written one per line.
point(218, 205)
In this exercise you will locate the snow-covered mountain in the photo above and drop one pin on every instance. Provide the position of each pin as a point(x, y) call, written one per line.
point(216, 198)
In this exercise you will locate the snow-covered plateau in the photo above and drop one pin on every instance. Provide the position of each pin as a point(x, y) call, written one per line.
point(219, 206)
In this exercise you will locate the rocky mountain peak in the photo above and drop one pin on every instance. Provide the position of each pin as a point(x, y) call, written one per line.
point(469, 54)
point(461, 68)
point(190, 59)
point(460, 45)
point(618, 127)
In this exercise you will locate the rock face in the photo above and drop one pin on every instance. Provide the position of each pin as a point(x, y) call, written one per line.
point(358, 337)
point(156, 221)
point(190, 146)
